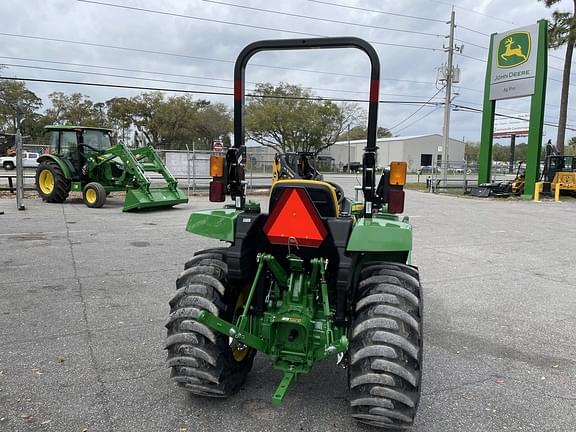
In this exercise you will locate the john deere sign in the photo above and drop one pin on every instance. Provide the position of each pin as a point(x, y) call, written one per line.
point(517, 63)
point(514, 63)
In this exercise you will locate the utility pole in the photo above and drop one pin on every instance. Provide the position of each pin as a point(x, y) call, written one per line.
point(447, 76)
point(19, 167)
point(447, 102)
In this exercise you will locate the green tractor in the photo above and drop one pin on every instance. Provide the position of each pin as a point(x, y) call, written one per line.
point(315, 277)
point(83, 159)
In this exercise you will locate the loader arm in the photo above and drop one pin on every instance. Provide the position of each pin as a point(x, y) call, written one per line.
point(136, 163)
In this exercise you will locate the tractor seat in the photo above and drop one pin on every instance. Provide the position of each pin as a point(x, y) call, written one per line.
point(322, 194)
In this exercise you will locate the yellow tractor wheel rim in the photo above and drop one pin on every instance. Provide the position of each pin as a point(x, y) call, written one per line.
point(46, 181)
point(90, 196)
point(238, 353)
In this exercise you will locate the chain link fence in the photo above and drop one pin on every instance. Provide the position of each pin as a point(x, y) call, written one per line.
point(457, 175)
point(192, 169)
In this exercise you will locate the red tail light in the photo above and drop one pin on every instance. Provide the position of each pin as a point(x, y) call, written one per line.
point(295, 217)
point(395, 201)
point(217, 191)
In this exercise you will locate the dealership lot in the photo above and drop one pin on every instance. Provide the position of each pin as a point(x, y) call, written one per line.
point(85, 295)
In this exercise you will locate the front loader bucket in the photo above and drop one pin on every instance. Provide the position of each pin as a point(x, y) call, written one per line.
point(138, 199)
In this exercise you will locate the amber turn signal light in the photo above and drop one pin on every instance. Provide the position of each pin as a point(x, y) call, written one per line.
point(216, 166)
point(398, 173)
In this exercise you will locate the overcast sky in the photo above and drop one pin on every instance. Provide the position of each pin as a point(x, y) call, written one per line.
point(199, 53)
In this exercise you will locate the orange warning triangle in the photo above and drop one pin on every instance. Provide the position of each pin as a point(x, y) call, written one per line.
point(295, 217)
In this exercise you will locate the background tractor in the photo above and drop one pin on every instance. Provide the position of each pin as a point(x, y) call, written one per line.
point(7, 144)
point(558, 171)
point(83, 159)
point(306, 281)
point(294, 165)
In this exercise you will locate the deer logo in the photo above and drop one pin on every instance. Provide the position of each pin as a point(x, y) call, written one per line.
point(514, 50)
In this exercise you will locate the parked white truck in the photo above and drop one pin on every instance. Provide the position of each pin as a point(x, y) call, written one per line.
point(28, 161)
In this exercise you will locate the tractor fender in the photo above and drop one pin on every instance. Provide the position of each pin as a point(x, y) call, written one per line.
point(218, 224)
point(64, 165)
point(380, 235)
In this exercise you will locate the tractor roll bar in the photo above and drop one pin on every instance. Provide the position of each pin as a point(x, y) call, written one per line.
point(236, 154)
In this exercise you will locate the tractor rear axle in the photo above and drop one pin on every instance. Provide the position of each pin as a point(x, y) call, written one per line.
point(297, 327)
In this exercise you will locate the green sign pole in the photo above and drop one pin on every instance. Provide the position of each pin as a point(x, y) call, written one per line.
point(489, 108)
point(537, 105)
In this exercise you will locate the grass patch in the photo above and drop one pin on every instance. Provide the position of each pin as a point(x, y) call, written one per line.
point(416, 186)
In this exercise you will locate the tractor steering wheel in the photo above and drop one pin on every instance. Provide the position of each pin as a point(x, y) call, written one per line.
point(89, 146)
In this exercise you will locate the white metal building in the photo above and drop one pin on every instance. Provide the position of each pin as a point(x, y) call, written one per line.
point(417, 150)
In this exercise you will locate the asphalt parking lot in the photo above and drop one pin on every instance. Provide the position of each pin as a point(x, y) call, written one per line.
point(84, 297)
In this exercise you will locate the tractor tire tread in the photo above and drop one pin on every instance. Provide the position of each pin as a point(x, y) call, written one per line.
point(100, 195)
point(386, 346)
point(201, 359)
point(215, 253)
point(61, 185)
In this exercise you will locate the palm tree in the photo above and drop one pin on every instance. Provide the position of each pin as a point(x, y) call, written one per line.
point(562, 31)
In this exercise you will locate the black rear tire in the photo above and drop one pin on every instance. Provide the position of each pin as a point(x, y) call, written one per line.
point(386, 346)
point(8, 166)
point(202, 360)
point(60, 185)
point(203, 255)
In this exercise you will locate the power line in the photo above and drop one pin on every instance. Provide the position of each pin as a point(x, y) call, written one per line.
point(123, 86)
point(113, 75)
point(418, 110)
point(161, 89)
point(471, 57)
point(219, 79)
point(114, 68)
point(186, 56)
point(418, 120)
point(549, 66)
point(321, 19)
point(477, 110)
point(472, 11)
point(556, 57)
point(203, 77)
point(559, 69)
point(472, 30)
point(472, 44)
point(49, 39)
point(376, 11)
point(469, 89)
point(501, 109)
point(187, 83)
point(252, 26)
point(480, 104)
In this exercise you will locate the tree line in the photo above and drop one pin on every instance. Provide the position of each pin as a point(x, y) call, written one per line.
point(284, 117)
point(502, 152)
point(164, 121)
